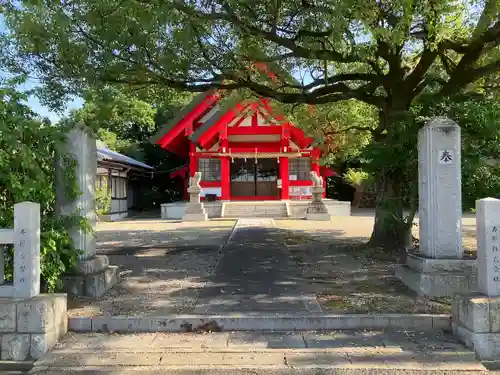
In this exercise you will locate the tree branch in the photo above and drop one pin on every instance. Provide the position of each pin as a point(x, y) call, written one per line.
point(336, 79)
point(416, 76)
point(345, 130)
point(464, 72)
point(486, 70)
point(290, 44)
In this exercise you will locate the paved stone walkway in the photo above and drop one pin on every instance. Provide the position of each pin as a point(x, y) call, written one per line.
point(256, 274)
point(338, 352)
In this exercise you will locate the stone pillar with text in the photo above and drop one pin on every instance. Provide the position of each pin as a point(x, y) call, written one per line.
point(195, 209)
point(439, 268)
point(476, 315)
point(93, 275)
point(317, 209)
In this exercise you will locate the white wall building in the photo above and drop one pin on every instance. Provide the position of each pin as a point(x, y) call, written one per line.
point(123, 176)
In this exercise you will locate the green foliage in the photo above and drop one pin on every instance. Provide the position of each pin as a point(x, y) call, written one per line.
point(341, 129)
point(329, 51)
point(111, 140)
point(357, 178)
point(382, 53)
point(28, 149)
point(478, 118)
point(58, 253)
point(102, 198)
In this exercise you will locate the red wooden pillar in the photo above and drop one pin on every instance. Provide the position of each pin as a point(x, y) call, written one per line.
point(225, 167)
point(193, 160)
point(284, 163)
point(225, 178)
point(285, 180)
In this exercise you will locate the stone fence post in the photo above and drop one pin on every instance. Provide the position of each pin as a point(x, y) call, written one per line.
point(30, 322)
point(439, 268)
point(476, 316)
point(26, 240)
point(94, 276)
point(81, 147)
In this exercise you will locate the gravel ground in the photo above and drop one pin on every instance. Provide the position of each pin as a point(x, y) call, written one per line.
point(163, 266)
point(350, 277)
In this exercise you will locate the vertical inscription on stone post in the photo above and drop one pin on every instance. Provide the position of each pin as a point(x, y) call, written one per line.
point(27, 249)
point(488, 246)
point(495, 249)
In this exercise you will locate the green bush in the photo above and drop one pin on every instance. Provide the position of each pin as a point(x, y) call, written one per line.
point(478, 120)
point(357, 178)
point(102, 198)
point(28, 149)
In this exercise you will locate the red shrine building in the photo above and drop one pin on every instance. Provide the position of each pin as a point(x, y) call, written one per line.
point(244, 151)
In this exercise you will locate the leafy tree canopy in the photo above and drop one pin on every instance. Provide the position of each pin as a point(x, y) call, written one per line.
point(384, 53)
point(28, 148)
point(319, 51)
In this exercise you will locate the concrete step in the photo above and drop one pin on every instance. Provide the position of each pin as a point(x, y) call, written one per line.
point(245, 353)
point(263, 209)
point(15, 367)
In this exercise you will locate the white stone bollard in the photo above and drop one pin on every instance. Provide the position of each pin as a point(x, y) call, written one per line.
point(440, 189)
point(27, 249)
point(476, 316)
point(488, 244)
point(439, 269)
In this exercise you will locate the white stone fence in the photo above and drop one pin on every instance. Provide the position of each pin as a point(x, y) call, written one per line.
point(25, 236)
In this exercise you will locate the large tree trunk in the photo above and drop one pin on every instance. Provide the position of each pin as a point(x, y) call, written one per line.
point(358, 196)
point(391, 229)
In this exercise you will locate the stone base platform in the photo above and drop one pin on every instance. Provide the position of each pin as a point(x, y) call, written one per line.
point(476, 321)
point(195, 217)
point(318, 216)
point(297, 209)
point(93, 277)
point(195, 211)
point(486, 345)
point(438, 277)
point(30, 327)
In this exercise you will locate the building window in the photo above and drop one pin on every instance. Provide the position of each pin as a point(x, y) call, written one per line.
point(118, 188)
point(210, 169)
point(299, 169)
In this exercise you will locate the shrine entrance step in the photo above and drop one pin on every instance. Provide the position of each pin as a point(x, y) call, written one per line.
point(272, 209)
point(261, 353)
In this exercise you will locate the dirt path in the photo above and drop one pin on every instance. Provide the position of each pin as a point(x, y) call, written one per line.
point(346, 275)
point(170, 268)
point(164, 265)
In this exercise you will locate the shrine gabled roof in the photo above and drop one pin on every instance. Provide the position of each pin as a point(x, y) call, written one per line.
point(223, 106)
point(210, 122)
point(197, 100)
point(216, 111)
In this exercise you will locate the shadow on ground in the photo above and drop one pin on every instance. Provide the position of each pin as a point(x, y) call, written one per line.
point(352, 277)
point(179, 270)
